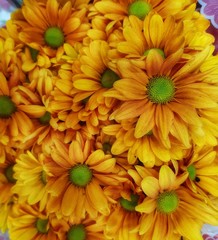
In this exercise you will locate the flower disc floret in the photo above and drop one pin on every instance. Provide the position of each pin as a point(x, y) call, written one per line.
point(139, 9)
point(129, 205)
point(9, 173)
point(108, 78)
point(167, 202)
point(80, 175)
point(42, 225)
point(192, 172)
point(45, 119)
point(7, 107)
point(77, 232)
point(160, 90)
point(158, 50)
point(54, 37)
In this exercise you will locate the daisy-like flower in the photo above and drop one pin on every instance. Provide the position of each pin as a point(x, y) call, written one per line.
point(80, 171)
point(86, 229)
point(147, 149)
point(30, 173)
point(202, 165)
point(27, 222)
point(118, 10)
point(170, 207)
point(11, 117)
point(46, 26)
point(123, 219)
point(164, 95)
point(162, 35)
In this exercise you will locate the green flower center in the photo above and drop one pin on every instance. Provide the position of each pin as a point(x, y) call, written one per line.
point(9, 173)
point(7, 107)
point(54, 37)
point(45, 119)
point(106, 146)
point(158, 50)
point(129, 205)
point(34, 53)
point(192, 172)
point(80, 175)
point(44, 177)
point(42, 225)
point(167, 202)
point(108, 78)
point(139, 9)
point(160, 90)
point(77, 232)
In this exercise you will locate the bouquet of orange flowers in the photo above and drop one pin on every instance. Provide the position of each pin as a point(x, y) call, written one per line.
point(108, 121)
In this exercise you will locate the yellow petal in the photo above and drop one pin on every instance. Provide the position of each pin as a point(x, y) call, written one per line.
point(147, 206)
point(166, 178)
point(150, 186)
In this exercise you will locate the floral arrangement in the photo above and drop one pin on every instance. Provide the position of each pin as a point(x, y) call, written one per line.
point(108, 121)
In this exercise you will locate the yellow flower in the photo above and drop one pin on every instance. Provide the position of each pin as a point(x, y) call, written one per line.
point(171, 208)
point(47, 26)
point(166, 36)
point(202, 166)
point(164, 95)
point(80, 171)
point(31, 179)
point(27, 222)
point(123, 220)
point(118, 10)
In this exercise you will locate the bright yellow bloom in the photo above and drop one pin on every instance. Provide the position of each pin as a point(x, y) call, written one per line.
point(118, 10)
point(202, 165)
point(80, 171)
point(31, 179)
point(123, 220)
point(27, 222)
point(164, 96)
point(169, 208)
point(47, 26)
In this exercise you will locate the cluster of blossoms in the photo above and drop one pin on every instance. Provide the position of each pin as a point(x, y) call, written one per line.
point(108, 121)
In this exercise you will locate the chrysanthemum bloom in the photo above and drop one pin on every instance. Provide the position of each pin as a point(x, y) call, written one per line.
point(47, 26)
point(123, 221)
point(10, 65)
point(27, 222)
point(165, 36)
point(164, 95)
point(147, 149)
point(31, 179)
point(80, 171)
point(7, 181)
point(82, 100)
point(118, 10)
point(86, 229)
point(171, 208)
point(202, 166)
point(11, 117)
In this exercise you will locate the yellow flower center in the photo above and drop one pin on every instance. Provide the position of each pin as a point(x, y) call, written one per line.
point(45, 119)
point(80, 175)
point(160, 90)
point(108, 78)
point(77, 232)
point(42, 225)
point(129, 205)
point(7, 107)
point(139, 9)
point(9, 174)
point(192, 172)
point(158, 50)
point(167, 202)
point(54, 37)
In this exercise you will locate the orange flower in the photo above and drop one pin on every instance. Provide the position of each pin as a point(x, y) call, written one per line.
point(81, 171)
